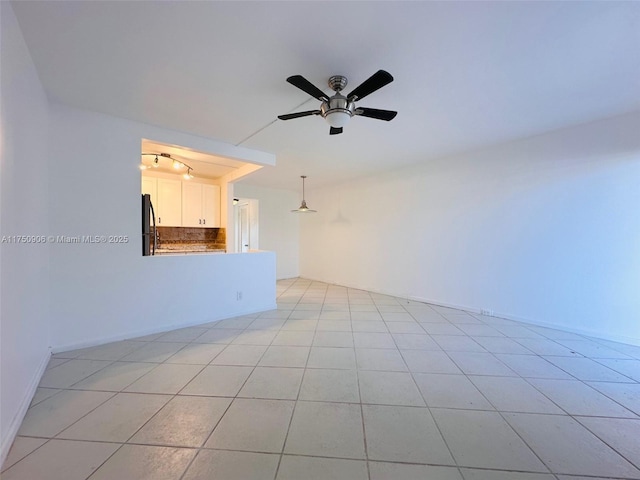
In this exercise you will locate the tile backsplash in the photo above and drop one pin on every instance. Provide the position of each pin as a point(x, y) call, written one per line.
point(212, 237)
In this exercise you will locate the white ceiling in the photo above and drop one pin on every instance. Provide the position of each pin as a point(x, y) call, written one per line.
point(467, 74)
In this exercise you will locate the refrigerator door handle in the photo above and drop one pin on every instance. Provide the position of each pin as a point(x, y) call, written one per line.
point(153, 216)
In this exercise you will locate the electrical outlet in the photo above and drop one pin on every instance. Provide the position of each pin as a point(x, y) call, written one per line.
point(488, 313)
point(238, 295)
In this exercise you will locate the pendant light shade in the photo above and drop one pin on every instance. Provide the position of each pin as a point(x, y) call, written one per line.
point(303, 206)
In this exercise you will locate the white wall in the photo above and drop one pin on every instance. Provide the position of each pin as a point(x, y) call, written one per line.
point(24, 286)
point(545, 229)
point(279, 228)
point(108, 291)
point(70, 172)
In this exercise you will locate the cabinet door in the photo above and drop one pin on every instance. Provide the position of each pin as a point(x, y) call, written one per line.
point(150, 186)
point(211, 206)
point(192, 204)
point(169, 212)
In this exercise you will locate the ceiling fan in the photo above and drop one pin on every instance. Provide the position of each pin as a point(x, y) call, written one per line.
point(338, 109)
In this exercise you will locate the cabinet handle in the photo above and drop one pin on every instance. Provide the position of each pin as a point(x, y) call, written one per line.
point(199, 221)
point(159, 221)
point(204, 221)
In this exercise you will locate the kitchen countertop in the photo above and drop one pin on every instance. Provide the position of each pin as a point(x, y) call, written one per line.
point(184, 249)
point(169, 253)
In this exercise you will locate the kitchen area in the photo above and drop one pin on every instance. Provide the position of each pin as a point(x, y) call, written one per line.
point(187, 204)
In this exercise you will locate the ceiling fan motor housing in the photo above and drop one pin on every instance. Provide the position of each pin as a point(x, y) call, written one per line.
point(337, 83)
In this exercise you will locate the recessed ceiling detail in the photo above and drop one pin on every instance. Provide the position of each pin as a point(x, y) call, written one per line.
point(186, 162)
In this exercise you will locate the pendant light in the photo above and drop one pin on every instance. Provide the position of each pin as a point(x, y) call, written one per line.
point(303, 206)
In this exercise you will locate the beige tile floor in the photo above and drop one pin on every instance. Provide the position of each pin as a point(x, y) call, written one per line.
point(338, 383)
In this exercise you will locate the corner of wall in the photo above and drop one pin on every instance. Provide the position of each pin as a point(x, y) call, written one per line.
point(12, 430)
point(24, 200)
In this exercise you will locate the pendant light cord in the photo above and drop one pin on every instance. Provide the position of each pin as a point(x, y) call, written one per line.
point(303, 177)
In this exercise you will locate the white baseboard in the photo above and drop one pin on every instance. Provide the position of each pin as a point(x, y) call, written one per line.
point(12, 431)
point(596, 334)
point(150, 331)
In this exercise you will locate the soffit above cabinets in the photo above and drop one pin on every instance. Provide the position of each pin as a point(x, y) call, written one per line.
point(204, 165)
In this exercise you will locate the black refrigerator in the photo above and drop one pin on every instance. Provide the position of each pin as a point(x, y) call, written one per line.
point(148, 226)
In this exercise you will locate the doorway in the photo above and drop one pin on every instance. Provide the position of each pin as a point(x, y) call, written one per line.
point(246, 220)
point(243, 228)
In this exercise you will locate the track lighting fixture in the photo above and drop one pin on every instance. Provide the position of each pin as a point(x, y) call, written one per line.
point(177, 164)
point(188, 175)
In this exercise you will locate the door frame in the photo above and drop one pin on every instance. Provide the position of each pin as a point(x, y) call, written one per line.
point(253, 220)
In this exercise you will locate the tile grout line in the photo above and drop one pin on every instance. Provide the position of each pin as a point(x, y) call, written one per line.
point(364, 429)
point(122, 444)
point(444, 440)
point(295, 404)
point(309, 288)
point(232, 399)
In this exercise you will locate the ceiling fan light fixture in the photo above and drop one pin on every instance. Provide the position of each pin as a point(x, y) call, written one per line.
point(338, 110)
point(338, 118)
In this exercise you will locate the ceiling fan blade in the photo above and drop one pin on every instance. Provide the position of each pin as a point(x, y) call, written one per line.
point(289, 116)
point(307, 87)
point(376, 113)
point(370, 85)
point(335, 131)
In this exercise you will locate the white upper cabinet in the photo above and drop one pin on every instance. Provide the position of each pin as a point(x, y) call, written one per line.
point(150, 186)
point(211, 205)
point(169, 210)
point(180, 203)
point(200, 205)
point(191, 204)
